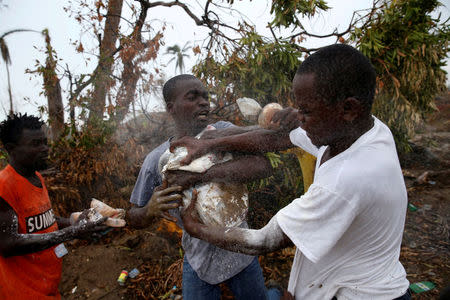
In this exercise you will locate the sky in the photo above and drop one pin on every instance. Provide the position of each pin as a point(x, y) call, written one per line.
point(25, 48)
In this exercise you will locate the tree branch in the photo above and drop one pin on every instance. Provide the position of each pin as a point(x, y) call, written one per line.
point(273, 34)
point(351, 25)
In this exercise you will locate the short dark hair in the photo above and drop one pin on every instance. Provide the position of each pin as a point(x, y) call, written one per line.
point(169, 86)
point(11, 129)
point(341, 71)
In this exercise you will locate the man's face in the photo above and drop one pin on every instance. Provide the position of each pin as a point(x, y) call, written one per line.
point(322, 121)
point(190, 105)
point(31, 151)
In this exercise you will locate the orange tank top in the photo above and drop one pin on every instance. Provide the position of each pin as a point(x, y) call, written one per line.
point(35, 275)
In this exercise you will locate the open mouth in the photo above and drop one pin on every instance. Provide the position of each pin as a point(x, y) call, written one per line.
point(203, 115)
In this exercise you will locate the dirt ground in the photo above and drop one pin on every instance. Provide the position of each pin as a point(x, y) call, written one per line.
point(90, 271)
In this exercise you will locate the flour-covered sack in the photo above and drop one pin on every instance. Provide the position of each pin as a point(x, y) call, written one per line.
point(217, 203)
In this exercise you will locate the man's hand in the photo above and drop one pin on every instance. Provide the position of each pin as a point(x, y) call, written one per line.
point(190, 218)
point(286, 119)
point(182, 178)
point(84, 229)
point(78, 218)
point(163, 199)
point(195, 147)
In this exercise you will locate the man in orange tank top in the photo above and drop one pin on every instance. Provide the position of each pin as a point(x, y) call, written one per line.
point(30, 234)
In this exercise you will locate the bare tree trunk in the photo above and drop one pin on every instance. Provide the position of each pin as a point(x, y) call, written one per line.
point(71, 100)
point(11, 108)
point(103, 80)
point(72, 113)
point(130, 76)
point(52, 89)
point(55, 105)
point(131, 72)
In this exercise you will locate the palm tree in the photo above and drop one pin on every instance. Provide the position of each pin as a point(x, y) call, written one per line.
point(7, 59)
point(179, 55)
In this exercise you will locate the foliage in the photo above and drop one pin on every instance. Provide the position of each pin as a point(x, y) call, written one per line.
point(285, 12)
point(93, 165)
point(258, 69)
point(157, 281)
point(407, 47)
point(285, 184)
point(123, 55)
point(405, 43)
point(179, 55)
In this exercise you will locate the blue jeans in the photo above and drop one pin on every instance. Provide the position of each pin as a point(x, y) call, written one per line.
point(246, 285)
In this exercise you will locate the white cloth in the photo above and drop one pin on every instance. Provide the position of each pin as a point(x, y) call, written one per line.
point(348, 227)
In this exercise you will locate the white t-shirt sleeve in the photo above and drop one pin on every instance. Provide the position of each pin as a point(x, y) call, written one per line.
point(316, 221)
point(299, 138)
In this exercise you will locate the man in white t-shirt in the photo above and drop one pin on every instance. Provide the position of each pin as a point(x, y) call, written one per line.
point(348, 226)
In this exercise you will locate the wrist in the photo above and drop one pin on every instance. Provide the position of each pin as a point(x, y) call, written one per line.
point(208, 145)
point(71, 232)
point(149, 212)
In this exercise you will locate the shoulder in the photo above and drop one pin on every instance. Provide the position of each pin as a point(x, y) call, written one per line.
point(155, 154)
point(7, 182)
point(7, 177)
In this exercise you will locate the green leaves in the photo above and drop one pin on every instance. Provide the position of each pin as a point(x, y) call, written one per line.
point(404, 42)
point(258, 68)
point(407, 47)
point(178, 55)
point(285, 11)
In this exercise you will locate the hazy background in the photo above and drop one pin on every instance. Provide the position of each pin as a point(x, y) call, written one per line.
point(26, 47)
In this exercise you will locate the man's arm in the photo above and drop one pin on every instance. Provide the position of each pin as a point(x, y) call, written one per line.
point(162, 199)
point(232, 130)
point(248, 241)
point(14, 243)
point(241, 169)
point(252, 139)
point(255, 141)
point(62, 222)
